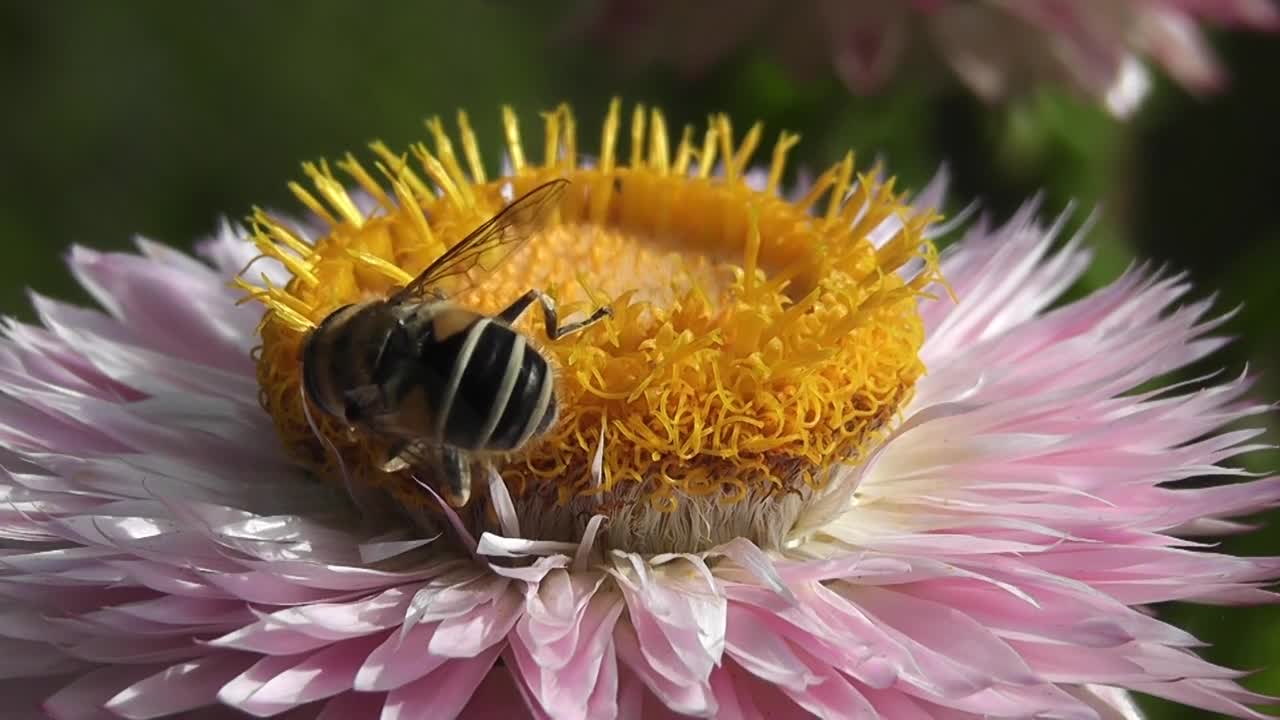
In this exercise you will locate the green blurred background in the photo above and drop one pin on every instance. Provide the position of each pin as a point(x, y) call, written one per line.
point(157, 118)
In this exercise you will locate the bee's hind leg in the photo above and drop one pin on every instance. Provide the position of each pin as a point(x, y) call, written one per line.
point(455, 467)
point(555, 330)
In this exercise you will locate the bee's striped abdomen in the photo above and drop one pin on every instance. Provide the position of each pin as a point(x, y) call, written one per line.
point(435, 372)
point(532, 405)
point(500, 392)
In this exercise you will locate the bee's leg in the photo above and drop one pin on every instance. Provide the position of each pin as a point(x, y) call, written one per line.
point(453, 466)
point(456, 469)
point(396, 458)
point(555, 330)
point(517, 308)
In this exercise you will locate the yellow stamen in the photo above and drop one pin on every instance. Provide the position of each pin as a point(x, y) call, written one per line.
point(637, 137)
point(393, 273)
point(570, 137)
point(444, 151)
point(786, 141)
point(511, 124)
point(684, 153)
point(746, 149)
point(609, 139)
point(551, 122)
point(438, 175)
point(837, 197)
point(352, 167)
point(471, 148)
point(333, 192)
point(707, 157)
point(311, 202)
point(659, 153)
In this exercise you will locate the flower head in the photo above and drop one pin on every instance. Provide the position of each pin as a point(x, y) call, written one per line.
point(789, 473)
point(1097, 49)
point(752, 347)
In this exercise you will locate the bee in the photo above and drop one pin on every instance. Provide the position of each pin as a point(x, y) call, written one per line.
point(443, 384)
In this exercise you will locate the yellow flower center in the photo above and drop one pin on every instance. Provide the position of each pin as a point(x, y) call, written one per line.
point(757, 344)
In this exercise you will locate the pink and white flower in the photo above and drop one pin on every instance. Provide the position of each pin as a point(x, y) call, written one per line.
point(995, 47)
point(992, 557)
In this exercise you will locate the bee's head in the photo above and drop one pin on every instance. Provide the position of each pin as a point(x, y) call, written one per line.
point(321, 354)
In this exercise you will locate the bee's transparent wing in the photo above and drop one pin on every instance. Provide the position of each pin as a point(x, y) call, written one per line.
point(491, 243)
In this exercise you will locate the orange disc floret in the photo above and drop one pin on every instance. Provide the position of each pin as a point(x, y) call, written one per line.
point(756, 342)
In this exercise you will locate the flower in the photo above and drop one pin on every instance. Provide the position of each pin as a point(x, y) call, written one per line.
point(996, 48)
point(790, 475)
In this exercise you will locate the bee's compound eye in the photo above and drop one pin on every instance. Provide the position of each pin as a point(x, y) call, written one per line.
point(318, 355)
point(331, 318)
point(311, 385)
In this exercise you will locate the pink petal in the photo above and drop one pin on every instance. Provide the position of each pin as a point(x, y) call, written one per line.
point(178, 688)
point(689, 695)
point(85, 698)
point(400, 659)
point(321, 675)
point(443, 693)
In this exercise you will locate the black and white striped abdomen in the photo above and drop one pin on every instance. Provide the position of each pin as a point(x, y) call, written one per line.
point(498, 391)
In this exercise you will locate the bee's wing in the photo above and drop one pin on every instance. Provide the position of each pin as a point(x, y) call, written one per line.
point(492, 242)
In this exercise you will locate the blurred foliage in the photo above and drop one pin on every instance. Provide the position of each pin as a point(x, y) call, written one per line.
point(158, 118)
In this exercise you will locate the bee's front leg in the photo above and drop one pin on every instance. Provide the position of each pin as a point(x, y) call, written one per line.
point(555, 330)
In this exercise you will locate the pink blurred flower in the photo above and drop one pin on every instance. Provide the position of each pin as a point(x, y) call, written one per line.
point(996, 47)
point(990, 559)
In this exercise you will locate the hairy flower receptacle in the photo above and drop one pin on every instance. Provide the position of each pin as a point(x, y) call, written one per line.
point(756, 344)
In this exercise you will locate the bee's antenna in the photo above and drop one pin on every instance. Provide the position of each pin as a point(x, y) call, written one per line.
point(252, 261)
